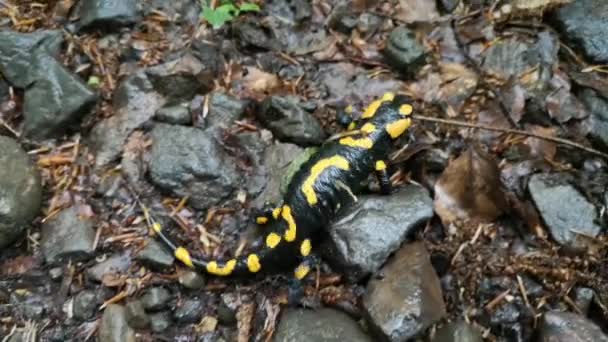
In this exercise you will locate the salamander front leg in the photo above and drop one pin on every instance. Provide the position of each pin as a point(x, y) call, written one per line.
point(266, 213)
point(383, 178)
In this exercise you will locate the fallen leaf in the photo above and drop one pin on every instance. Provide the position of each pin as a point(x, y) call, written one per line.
point(513, 98)
point(258, 81)
point(458, 84)
point(411, 11)
point(563, 106)
point(470, 189)
point(541, 147)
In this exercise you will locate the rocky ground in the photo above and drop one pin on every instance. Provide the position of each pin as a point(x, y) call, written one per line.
point(490, 235)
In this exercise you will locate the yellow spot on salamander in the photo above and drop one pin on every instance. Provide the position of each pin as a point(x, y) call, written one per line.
point(351, 126)
point(213, 268)
point(305, 247)
point(301, 271)
point(307, 188)
point(182, 255)
point(368, 128)
point(396, 128)
point(276, 212)
point(388, 97)
point(362, 142)
point(380, 165)
point(156, 227)
point(253, 263)
point(406, 109)
point(272, 240)
point(261, 220)
point(290, 233)
point(370, 111)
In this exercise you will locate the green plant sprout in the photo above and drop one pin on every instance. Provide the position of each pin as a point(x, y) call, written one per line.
point(225, 12)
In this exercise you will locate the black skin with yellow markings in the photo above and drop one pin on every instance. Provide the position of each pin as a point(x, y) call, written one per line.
point(323, 184)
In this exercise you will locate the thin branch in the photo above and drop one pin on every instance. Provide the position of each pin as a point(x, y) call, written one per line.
point(560, 141)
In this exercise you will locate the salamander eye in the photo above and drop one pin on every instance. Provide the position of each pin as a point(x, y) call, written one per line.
point(406, 109)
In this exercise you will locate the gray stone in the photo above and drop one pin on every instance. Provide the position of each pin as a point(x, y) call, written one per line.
point(584, 23)
point(20, 191)
point(114, 327)
point(180, 79)
point(227, 308)
point(16, 50)
point(47, 115)
point(67, 236)
point(155, 298)
point(187, 161)
point(598, 118)
point(160, 321)
point(136, 315)
point(583, 297)
point(85, 305)
point(404, 52)
point(407, 299)
point(458, 332)
point(373, 228)
point(224, 109)
point(565, 211)
point(323, 325)
point(284, 117)
point(107, 14)
point(176, 115)
point(115, 264)
point(569, 327)
point(134, 104)
point(189, 311)
point(191, 279)
point(155, 256)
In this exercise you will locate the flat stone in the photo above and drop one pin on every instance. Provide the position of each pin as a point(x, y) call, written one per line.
point(598, 115)
point(20, 191)
point(404, 52)
point(289, 122)
point(569, 327)
point(68, 236)
point(373, 228)
point(458, 332)
point(155, 256)
point(155, 298)
point(176, 115)
point(107, 14)
point(565, 211)
point(407, 299)
point(85, 305)
point(160, 321)
point(189, 311)
point(115, 264)
point(136, 315)
point(323, 325)
point(114, 327)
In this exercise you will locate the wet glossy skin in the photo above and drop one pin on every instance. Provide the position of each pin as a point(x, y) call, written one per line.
point(326, 182)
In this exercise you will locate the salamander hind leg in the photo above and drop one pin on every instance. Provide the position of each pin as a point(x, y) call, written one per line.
point(383, 178)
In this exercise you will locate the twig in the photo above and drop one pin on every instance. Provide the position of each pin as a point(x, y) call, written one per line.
point(512, 131)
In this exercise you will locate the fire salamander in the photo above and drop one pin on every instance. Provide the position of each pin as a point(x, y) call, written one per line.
point(317, 191)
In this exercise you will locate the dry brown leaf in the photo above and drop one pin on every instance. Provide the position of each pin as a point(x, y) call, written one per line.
point(258, 81)
point(470, 189)
point(411, 11)
point(541, 147)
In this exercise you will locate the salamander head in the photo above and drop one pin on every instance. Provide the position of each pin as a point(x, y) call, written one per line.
point(391, 112)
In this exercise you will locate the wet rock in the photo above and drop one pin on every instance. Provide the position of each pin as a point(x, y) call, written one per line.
point(134, 104)
point(20, 191)
point(191, 279)
point(368, 22)
point(583, 297)
point(155, 298)
point(343, 18)
point(160, 321)
point(403, 51)
point(189, 162)
point(84, 305)
point(68, 236)
point(227, 309)
point(583, 23)
point(299, 325)
point(565, 211)
point(373, 228)
point(16, 50)
point(250, 34)
point(114, 327)
point(512, 319)
point(107, 14)
point(224, 109)
point(47, 115)
point(113, 265)
point(598, 118)
point(289, 122)
point(458, 332)
point(407, 299)
point(136, 315)
point(189, 311)
point(569, 327)
point(277, 160)
point(155, 256)
point(175, 115)
point(180, 79)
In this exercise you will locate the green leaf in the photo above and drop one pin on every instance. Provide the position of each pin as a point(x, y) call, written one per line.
point(219, 16)
point(249, 7)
